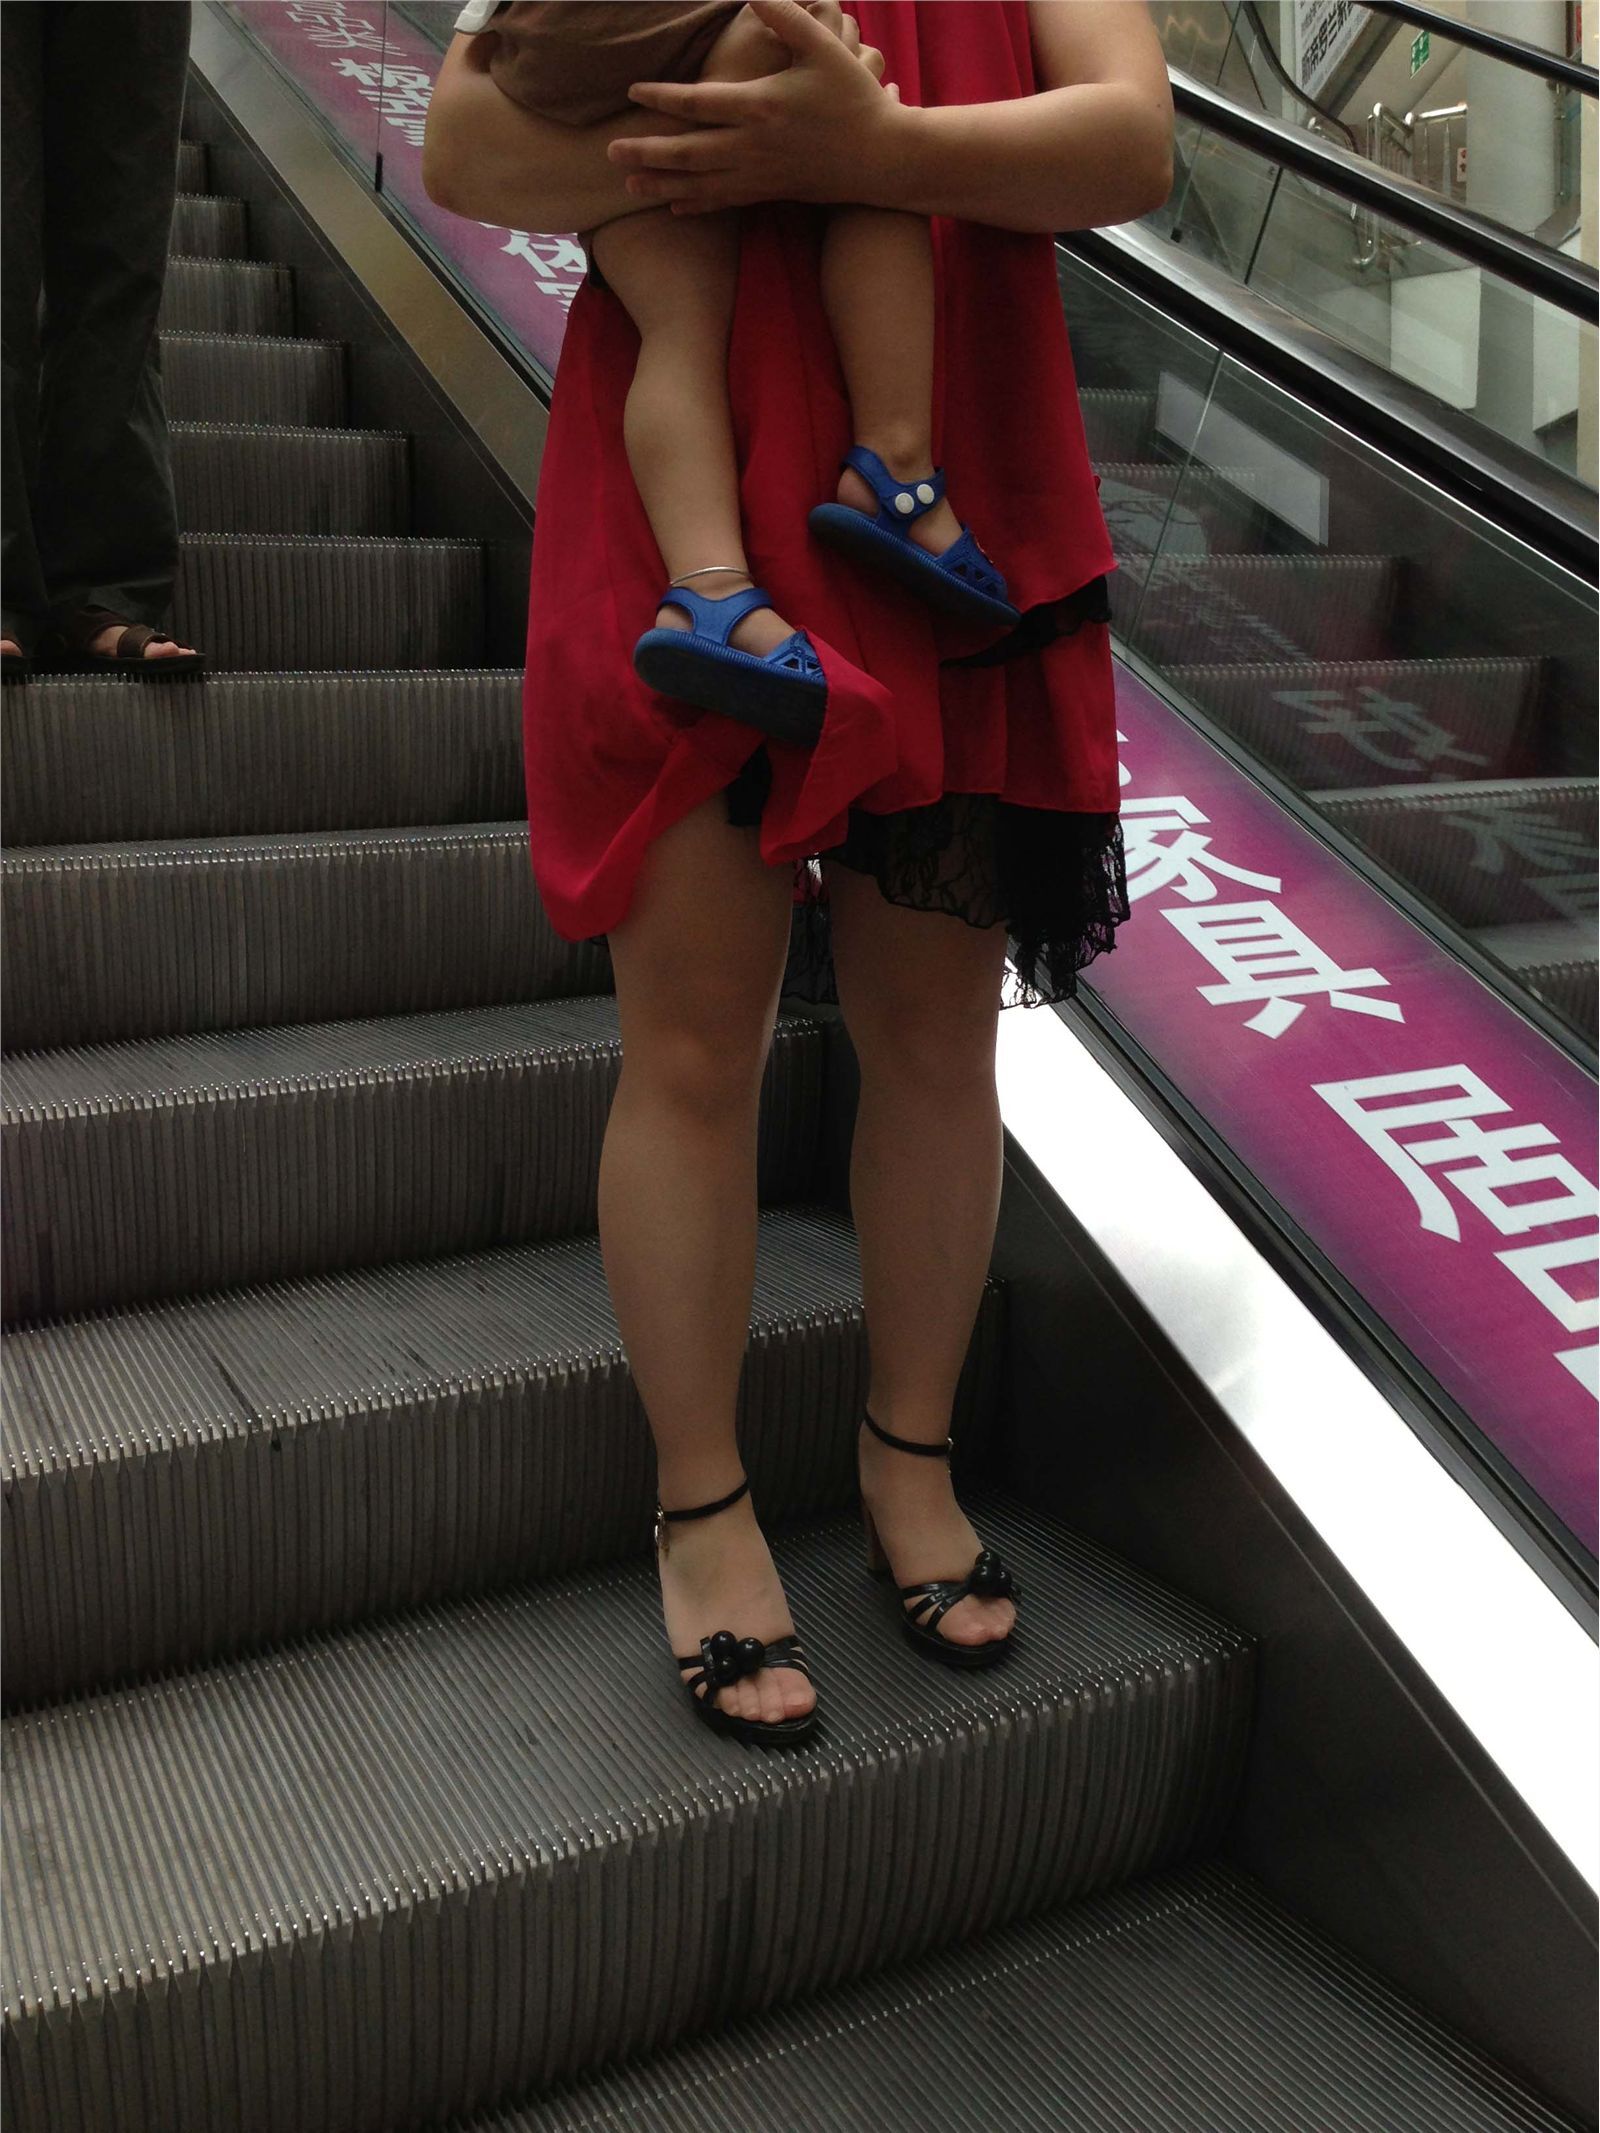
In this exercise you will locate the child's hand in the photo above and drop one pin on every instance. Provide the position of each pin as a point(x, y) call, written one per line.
point(807, 133)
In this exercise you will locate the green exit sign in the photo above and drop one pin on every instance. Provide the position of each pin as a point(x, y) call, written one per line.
point(1419, 51)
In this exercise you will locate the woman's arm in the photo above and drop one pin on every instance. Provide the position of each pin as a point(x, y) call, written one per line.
point(1093, 146)
point(487, 157)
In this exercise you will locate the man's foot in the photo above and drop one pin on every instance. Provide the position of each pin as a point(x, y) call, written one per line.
point(926, 1534)
point(759, 632)
point(718, 1573)
point(936, 530)
point(105, 642)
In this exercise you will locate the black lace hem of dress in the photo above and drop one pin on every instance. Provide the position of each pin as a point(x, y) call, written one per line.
point(1056, 878)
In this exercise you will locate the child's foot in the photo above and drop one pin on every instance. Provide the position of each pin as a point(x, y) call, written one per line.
point(759, 632)
point(936, 530)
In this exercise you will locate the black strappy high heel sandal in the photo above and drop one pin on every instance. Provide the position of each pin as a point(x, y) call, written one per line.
point(933, 1598)
point(724, 1658)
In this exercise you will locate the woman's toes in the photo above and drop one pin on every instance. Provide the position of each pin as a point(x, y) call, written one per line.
point(750, 1693)
point(772, 1698)
point(975, 1621)
point(799, 1696)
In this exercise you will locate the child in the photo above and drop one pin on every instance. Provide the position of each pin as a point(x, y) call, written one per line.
point(724, 648)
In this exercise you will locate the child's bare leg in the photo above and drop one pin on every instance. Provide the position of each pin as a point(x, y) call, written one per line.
point(675, 275)
point(877, 285)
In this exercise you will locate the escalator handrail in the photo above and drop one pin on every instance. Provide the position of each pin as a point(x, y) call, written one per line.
point(1514, 490)
point(1568, 284)
point(1513, 51)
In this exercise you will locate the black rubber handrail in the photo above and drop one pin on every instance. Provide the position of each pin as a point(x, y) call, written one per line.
point(1568, 284)
point(1571, 73)
point(1511, 487)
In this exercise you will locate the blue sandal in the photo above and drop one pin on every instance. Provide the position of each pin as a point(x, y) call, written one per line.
point(786, 692)
point(961, 582)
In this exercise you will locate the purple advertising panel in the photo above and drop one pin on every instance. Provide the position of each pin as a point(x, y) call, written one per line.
point(1438, 1148)
point(372, 75)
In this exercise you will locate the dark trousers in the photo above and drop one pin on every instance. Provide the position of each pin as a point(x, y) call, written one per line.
point(91, 96)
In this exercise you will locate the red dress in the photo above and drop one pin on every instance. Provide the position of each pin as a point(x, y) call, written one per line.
point(986, 790)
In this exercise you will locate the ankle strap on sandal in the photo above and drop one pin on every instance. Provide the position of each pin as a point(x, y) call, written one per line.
point(704, 1510)
point(699, 1510)
point(909, 1444)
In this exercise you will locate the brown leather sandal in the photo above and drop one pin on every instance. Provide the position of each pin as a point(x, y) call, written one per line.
point(73, 637)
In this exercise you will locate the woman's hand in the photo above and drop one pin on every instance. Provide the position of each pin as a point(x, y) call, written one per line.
point(816, 131)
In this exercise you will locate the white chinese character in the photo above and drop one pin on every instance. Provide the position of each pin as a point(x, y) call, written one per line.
point(1479, 1165)
point(549, 256)
point(1265, 956)
point(1186, 863)
point(1535, 1267)
point(331, 28)
point(1557, 863)
point(1373, 718)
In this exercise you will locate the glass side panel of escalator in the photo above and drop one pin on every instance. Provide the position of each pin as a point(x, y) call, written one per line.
point(1359, 762)
point(1497, 359)
point(1467, 125)
point(1501, 361)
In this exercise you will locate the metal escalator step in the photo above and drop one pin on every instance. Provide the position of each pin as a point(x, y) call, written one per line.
point(271, 603)
point(207, 226)
point(227, 296)
point(1178, 510)
point(157, 939)
point(1118, 422)
point(1486, 851)
point(1352, 722)
point(1556, 958)
point(1188, 2001)
point(193, 174)
point(187, 1480)
point(245, 377)
point(96, 760)
point(248, 478)
point(154, 939)
point(183, 1164)
point(410, 1868)
point(1235, 608)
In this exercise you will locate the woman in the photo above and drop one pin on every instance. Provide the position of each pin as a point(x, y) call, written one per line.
point(683, 837)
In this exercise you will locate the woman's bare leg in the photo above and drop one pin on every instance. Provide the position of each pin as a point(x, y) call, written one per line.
point(877, 286)
point(675, 276)
point(698, 964)
point(920, 996)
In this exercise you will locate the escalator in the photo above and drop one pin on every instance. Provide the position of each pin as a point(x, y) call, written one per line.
point(347, 1782)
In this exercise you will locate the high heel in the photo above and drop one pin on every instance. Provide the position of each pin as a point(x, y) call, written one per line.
point(877, 1561)
point(724, 1658)
point(931, 1599)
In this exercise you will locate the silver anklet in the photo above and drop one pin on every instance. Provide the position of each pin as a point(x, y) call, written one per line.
point(732, 570)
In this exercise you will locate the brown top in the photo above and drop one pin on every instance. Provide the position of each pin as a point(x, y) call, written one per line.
point(575, 60)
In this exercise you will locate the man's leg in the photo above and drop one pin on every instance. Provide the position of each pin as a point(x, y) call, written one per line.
point(22, 591)
point(114, 73)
